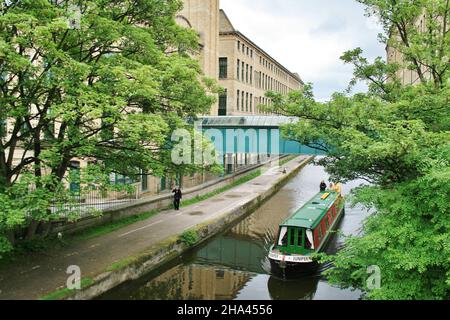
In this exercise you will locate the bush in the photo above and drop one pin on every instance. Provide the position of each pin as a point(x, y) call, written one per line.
point(190, 238)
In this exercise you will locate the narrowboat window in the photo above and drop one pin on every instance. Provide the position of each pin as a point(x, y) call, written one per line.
point(283, 240)
point(300, 238)
point(292, 237)
point(309, 240)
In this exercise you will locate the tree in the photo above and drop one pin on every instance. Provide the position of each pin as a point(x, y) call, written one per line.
point(99, 79)
point(397, 138)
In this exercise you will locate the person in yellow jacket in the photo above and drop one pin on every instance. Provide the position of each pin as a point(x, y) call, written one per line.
point(336, 187)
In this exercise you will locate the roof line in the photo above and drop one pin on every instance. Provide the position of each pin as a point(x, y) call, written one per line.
point(240, 34)
point(228, 19)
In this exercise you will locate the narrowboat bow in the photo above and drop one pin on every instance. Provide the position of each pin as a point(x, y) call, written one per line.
point(307, 231)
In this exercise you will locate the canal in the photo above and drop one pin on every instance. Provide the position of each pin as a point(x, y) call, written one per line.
point(234, 266)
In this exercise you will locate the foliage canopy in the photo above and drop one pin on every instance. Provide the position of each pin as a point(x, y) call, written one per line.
point(101, 80)
point(397, 137)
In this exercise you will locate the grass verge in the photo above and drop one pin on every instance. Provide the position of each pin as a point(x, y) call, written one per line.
point(287, 159)
point(236, 183)
point(120, 264)
point(63, 293)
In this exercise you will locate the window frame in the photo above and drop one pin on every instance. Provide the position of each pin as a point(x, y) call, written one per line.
point(223, 68)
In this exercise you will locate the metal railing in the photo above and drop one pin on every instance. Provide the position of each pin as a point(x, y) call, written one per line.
point(93, 201)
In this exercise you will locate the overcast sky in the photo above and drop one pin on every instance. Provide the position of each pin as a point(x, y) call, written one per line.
point(309, 36)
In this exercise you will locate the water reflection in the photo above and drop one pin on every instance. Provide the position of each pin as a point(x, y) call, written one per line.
point(301, 289)
point(193, 282)
point(235, 265)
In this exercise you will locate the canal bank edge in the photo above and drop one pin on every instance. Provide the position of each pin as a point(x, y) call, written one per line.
point(165, 251)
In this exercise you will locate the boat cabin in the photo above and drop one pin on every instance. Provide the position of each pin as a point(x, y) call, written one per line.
point(307, 230)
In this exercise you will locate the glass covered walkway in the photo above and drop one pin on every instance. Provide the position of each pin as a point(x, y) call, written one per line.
point(253, 135)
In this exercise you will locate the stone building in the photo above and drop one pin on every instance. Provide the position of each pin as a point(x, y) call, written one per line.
point(240, 66)
point(202, 16)
point(221, 48)
point(247, 72)
point(405, 75)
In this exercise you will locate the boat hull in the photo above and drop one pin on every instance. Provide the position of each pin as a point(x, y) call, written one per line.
point(292, 268)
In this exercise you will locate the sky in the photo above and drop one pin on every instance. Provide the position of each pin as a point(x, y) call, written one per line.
point(309, 36)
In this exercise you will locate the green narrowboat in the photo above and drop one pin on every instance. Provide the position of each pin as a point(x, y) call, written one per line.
point(307, 231)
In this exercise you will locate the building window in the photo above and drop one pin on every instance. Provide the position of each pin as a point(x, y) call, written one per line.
point(223, 104)
point(239, 45)
point(251, 75)
point(251, 102)
point(220, 274)
point(144, 182)
point(223, 68)
point(246, 102)
point(246, 74)
point(107, 132)
point(74, 177)
point(3, 128)
point(243, 71)
point(238, 68)
point(238, 96)
point(49, 132)
point(243, 100)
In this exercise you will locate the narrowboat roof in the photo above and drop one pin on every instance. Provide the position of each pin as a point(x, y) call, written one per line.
point(312, 212)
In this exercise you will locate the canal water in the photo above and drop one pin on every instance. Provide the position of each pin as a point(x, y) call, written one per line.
point(234, 266)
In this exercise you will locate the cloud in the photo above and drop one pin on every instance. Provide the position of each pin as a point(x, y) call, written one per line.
point(308, 37)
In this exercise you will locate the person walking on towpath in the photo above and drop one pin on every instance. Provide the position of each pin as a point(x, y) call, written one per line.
point(177, 196)
point(323, 186)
